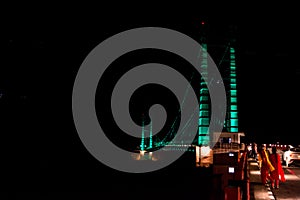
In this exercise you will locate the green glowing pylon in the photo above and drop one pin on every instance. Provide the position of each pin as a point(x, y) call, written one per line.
point(142, 146)
point(204, 109)
point(232, 122)
point(150, 137)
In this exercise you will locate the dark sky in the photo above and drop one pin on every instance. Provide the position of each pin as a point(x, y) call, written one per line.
point(42, 56)
point(268, 79)
point(50, 52)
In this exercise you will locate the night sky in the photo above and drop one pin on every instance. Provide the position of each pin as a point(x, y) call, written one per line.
point(42, 58)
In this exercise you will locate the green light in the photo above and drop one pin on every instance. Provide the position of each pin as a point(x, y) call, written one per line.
point(232, 86)
point(233, 99)
point(143, 137)
point(204, 113)
point(204, 91)
point(233, 130)
point(204, 63)
point(233, 93)
point(233, 122)
point(234, 115)
point(203, 130)
point(204, 121)
point(204, 74)
point(150, 142)
point(204, 139)
point(204, 106)
point(203, 98)
point(233, 107)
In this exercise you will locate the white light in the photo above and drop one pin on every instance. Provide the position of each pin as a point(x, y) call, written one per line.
point(197, 154)
point(256, 172)
point(205, 151)
point(291, 177)
point(254, 164)
point(142, 153)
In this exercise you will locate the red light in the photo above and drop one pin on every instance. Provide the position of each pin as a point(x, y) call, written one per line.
point(202, 22)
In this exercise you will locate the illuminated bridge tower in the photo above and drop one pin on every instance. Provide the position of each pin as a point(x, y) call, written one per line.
point(142, 145)
point(204, 108)
point(144, 137)
point(232, 115)
point(227, 68)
